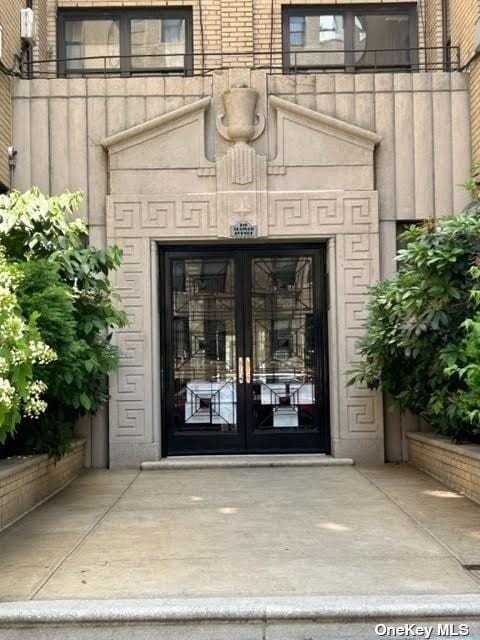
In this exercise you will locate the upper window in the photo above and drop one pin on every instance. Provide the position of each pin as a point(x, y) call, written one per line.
point(351, 37)
point(124, 41)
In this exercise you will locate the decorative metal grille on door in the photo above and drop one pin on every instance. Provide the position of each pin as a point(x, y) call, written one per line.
point(204, 348)
point(283, 344)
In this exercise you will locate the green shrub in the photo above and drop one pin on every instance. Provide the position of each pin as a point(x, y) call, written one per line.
point(422, 341)
point(64, 285)
point(21, 351)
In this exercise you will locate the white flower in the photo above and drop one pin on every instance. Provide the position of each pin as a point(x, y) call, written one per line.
point(34, 406)
point(3, 365)
point(17, 356)
point(40, 352)
point(7, 393)
point(12, 328)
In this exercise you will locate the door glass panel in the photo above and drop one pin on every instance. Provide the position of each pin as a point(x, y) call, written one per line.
point(317, 40)
point(204, 346)
point(283, 344)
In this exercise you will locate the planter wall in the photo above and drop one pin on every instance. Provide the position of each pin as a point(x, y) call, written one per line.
point(457, 465)
point(27, 481)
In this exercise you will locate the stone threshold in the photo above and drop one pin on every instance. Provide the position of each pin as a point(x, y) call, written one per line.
point(246, 461)
point(242, 609)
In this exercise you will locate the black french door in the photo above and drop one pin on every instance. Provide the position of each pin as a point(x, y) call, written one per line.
point(244, 350)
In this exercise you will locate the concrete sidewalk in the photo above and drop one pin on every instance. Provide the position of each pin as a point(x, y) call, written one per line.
point(244, 532)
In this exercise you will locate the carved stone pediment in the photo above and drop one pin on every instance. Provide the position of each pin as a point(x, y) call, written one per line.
point(173, 140)
point(308, 138)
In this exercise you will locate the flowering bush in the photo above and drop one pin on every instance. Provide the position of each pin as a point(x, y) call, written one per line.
point(64, 287)
point(21, 349)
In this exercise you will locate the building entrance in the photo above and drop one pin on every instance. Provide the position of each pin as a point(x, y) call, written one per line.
point(244, 350)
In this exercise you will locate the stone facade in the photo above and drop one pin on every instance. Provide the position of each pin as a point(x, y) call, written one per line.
point(310, 174)
point(338, 157)
point(347, 214)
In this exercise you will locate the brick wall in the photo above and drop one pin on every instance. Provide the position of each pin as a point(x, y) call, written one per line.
point(40, 50)
point(25, 482)
point(463, 17)
point(458, 466)
point(433, 30)
point(10, 21)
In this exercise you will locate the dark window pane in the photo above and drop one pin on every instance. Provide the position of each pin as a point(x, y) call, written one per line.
point(285, 273)
point(382, 40)
point(158, 42)
point(213, 276)
point(282, 346)
point(182, 339)
point(179, 275)
point(297, 31)
point(98, 40)
point(215, 337)
point(322, 43)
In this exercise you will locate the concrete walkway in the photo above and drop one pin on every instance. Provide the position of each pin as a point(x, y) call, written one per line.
point(244, 532)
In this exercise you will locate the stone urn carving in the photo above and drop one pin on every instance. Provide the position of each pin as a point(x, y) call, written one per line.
point(243, 124)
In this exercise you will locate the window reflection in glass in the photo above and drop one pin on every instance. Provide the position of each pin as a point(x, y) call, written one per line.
point(204, 345)
point(283, 343)
point(322, 42)
point(297, 31)
point(158, 42)
point(382, 40)
point(94, 39)
point(349, 38)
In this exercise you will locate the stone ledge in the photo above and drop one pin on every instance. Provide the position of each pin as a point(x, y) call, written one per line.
point(456, 465)
point(27, 481)
point(242, 609)
point(245, 461)
point(468, 450)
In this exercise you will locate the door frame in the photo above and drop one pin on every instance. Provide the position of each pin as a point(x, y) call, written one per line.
point(318, 250)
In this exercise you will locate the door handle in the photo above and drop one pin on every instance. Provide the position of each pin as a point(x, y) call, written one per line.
point(241, 375)
point(248, 370)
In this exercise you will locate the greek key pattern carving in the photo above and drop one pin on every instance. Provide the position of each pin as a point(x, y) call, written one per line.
point(357, 270)
point(128, 420)
point(168, 217)
point(133, 223)
point(129, 400)
point(321, 213)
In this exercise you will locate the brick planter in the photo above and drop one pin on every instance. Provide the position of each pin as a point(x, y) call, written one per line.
point(26, 481)
point(457, 465)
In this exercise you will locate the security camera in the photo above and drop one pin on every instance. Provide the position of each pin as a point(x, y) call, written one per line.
point(11, 152)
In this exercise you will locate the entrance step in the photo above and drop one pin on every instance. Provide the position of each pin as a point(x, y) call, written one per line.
point(240, 461)
point(295, 618)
